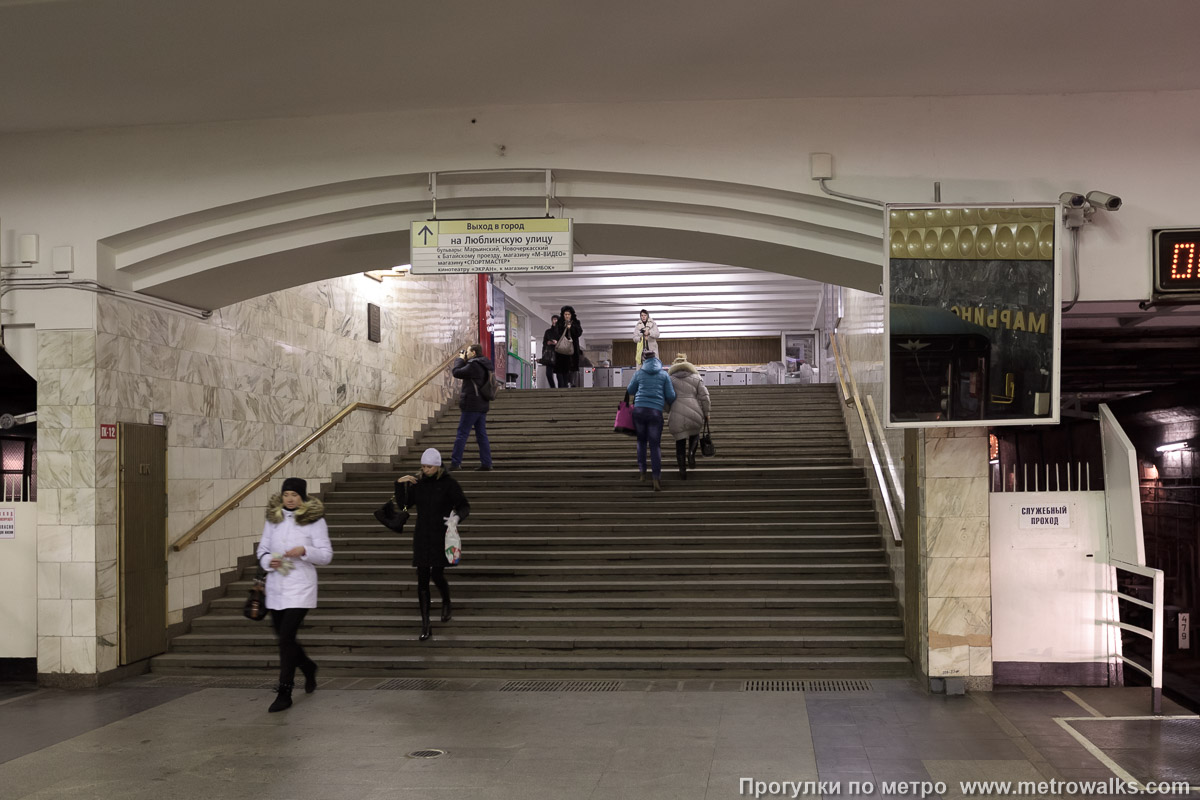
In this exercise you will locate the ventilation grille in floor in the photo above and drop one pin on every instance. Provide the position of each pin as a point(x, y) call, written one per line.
point(820, 685)
point(243, 683)
point(561, 686)
point(426, 753)
point(412, 684)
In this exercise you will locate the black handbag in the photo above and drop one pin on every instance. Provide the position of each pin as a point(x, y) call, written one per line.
point(707, 448)
point(256, 603)
point(547, 357)
point(391, 517)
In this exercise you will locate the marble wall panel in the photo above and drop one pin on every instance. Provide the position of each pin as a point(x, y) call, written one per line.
point(950, 661)
point(79, 654)
point(48, 581)
point(54, 617)
point(956, 497)
point(957, 458)
point(959, 577)
point(55, 350)
point(957, 536)
point(49, 657)
point(83, 617)
point(229, 415)
point(960, 620)
point(107, 584)
point(54, 543)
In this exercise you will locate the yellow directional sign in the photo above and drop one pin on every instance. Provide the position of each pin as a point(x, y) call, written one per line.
point(441, 247)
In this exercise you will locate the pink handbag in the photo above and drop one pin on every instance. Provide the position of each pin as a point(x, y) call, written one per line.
point(624, 421)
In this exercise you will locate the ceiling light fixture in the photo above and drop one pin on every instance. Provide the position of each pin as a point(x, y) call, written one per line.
point(394, 272)
point(1167, 448)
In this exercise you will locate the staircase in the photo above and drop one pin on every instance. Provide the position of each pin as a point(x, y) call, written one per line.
point(766, 562)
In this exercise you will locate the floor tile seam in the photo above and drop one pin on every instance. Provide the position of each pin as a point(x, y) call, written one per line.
point(26, 696)
point(1027, 748)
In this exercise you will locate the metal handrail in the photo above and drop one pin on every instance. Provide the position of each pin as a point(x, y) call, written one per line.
point(236, 500)
point(852, 399)
point(1155, 634)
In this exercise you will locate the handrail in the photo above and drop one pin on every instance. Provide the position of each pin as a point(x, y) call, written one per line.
point(852, 399)
point(234, 501)
point(1155, 634)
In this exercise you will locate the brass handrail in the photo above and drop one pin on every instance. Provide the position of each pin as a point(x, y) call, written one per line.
point(852, 399)
point(236, 500)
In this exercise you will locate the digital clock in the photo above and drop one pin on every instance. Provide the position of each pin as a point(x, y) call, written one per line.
point(1177, 261)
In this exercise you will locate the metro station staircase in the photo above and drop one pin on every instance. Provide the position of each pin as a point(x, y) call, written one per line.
point(766, 562)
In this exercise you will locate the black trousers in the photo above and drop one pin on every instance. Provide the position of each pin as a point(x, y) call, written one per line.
point(550, 375)
point(685, 448)
point(291, 654)
point(564, 377)
point(439, 578)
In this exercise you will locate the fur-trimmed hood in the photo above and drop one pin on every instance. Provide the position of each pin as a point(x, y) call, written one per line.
point(307, 512)
point(682, 366)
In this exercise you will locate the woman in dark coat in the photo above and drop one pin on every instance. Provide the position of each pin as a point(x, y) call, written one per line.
point(437, 496)
point(567, 364)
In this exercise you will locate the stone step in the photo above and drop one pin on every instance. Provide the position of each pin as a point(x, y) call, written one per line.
point(325, 621)
point(767, 561)
point(499, 552)
point(532, 665)
point(799, 543)
point(468, 584)
point(832, 605)
point(318, 644)
point(604, 531)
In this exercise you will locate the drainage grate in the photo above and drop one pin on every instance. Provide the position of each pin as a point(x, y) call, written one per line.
point(243, 683)
point(561, 686)
point(180, 680)
point(415, 684)
point(806, 686)
point(426, 753)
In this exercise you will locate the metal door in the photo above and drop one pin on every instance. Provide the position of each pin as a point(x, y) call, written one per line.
point(142, 532)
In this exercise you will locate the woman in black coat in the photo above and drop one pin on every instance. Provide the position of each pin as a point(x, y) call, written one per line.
point(567, 364)
point(436, 496)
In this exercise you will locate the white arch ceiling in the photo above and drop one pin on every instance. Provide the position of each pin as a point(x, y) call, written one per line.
point(712, 258)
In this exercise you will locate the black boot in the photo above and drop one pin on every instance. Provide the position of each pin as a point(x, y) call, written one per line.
point(426, 626)
point(310, 677)
point(283, 700)
point(447, 610)
point(681, 457)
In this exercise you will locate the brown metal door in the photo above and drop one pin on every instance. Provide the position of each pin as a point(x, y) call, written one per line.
point(142, 531)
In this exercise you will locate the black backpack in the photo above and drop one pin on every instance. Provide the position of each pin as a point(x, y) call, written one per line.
point(487, 390)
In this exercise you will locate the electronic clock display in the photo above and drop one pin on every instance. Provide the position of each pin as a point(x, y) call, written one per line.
point(1177, 260)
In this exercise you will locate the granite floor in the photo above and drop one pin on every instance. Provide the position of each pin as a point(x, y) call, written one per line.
point(165, 737)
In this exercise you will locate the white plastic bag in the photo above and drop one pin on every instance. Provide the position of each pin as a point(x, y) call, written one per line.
point(453, 542)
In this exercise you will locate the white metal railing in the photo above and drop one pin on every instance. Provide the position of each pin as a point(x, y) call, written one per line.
point(15, 489)
point(886, 490)
point(1007, 478)
point(1155, 634)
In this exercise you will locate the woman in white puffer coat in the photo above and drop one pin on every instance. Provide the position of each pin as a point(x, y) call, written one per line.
point(689, 412)
point(645, 335)
point(295, 541)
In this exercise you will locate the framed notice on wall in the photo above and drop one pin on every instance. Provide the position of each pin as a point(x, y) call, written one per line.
point(972, 329)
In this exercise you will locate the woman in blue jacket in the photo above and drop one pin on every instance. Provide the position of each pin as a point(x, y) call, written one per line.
point(652, 391)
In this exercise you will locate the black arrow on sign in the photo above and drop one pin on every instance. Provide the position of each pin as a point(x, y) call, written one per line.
point(425, 233)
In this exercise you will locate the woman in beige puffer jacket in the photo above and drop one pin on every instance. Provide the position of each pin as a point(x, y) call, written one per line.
point(689, 412)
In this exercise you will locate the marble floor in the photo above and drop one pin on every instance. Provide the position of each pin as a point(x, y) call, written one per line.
point(165, 737)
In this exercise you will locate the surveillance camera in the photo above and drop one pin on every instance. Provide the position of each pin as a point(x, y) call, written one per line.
point(1072, 200)
point(1109, 202)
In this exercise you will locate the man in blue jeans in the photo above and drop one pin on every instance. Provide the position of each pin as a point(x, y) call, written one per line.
point(475, 370)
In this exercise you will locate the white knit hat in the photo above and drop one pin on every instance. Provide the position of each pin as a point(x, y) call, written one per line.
point(431, 458)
